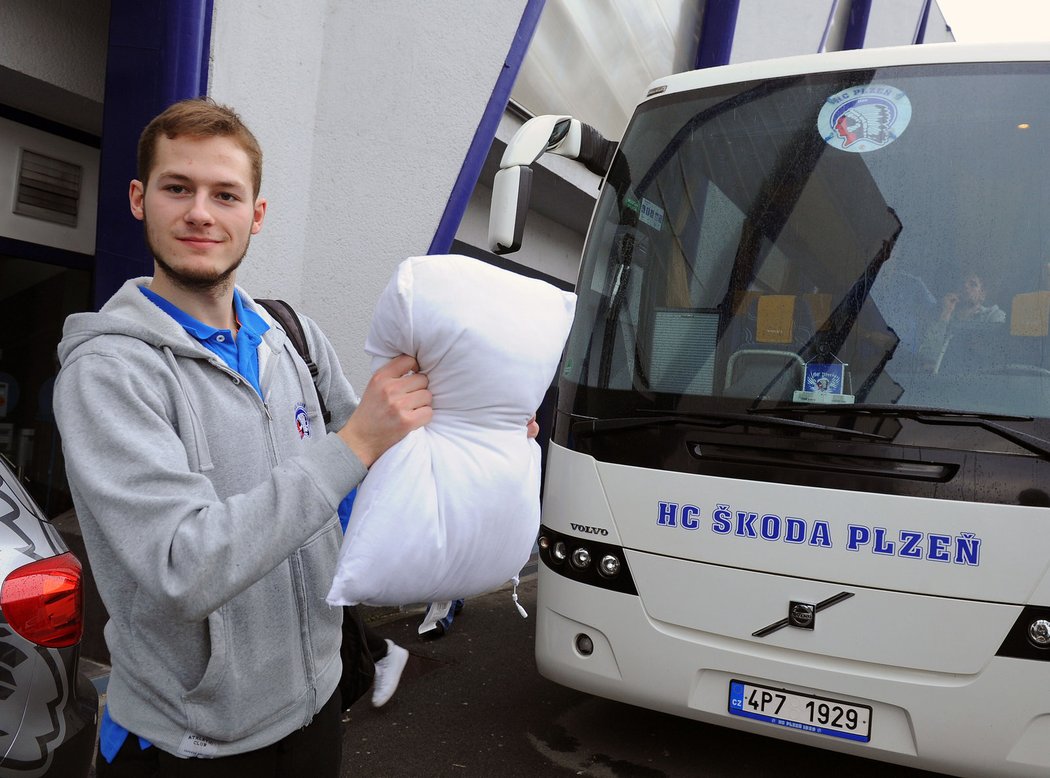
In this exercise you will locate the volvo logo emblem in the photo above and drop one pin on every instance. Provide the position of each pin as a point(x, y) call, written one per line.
point(802, 615)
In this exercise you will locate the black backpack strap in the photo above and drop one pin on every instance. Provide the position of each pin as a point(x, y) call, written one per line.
point(289, 319)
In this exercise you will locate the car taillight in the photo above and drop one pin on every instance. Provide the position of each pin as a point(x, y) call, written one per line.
point(44, 602)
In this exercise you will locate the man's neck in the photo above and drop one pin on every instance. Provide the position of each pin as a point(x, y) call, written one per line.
point(212, 306)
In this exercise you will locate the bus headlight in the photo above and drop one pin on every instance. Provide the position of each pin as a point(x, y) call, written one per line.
point(581, 558)
point(590, 562)
point(609, 565)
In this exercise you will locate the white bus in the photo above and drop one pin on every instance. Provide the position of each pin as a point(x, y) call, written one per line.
point(799, 476)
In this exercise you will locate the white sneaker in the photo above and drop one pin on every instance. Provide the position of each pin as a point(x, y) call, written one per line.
point(388, 673)
point(437, 619)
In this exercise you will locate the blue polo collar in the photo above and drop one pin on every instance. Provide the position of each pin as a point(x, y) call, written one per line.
point(241, 355)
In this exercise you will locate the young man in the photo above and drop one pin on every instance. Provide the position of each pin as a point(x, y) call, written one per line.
point(206, 483)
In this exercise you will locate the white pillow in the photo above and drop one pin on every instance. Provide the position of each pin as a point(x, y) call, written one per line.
point(453, 509)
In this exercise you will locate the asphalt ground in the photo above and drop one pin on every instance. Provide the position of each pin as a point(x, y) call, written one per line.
point(469, 704)
point(472, 705)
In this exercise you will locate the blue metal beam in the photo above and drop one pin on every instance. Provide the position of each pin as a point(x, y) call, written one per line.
point(716, 33)
point(924, 17)
point(157, 54)
point(470, 171)
point(857, 28)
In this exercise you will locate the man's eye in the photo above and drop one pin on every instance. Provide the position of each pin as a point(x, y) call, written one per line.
point(227, 197)
point(175, 188)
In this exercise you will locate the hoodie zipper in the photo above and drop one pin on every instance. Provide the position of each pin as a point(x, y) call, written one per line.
point(295, 565)
point(295, 562)
point(238, 379)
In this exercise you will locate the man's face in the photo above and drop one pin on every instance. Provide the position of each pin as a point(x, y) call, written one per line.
point(973, 290)
point(198, 209)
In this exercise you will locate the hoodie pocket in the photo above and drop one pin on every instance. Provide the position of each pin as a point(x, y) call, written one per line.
point(319, 557)
point(255, 676)
point(215, 670)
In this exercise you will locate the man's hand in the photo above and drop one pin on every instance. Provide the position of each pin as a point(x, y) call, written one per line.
point(948, 303)
point(395, 402)
point(532, 427)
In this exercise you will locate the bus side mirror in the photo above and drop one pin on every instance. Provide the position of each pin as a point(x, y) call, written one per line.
point(511, 188)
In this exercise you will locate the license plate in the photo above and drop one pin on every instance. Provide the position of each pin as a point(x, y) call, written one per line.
point(805, 712)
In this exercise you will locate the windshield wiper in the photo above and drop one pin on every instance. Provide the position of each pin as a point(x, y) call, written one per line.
point(713, 420)
point(936, 416)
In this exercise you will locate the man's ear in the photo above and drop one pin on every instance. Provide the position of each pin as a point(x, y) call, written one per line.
point(258, 215)
point(135, 197)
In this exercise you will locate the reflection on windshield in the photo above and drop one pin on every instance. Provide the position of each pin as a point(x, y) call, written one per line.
point(861, 237)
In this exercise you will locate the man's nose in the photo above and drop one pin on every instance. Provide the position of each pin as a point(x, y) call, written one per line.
point(199, 211)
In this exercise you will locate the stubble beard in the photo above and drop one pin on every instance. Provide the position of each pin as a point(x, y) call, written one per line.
point(199, 280)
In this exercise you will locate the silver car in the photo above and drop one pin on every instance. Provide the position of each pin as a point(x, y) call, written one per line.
point(48, 708)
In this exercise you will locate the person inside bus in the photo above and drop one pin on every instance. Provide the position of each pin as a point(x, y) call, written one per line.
point(965, 304)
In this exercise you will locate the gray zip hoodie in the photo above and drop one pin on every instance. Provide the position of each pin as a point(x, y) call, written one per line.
point(209, 517)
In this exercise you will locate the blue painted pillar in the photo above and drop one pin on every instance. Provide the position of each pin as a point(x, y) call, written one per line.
point(158, 53)
point(924, 17)
point(716, 33)
point(857, 27)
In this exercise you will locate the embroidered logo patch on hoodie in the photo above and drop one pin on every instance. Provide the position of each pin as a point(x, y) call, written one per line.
point(302, 421)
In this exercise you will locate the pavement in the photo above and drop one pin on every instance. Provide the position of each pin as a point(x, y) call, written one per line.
point(469, 704)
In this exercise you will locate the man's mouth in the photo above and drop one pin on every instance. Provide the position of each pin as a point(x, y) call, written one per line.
point(197, 240)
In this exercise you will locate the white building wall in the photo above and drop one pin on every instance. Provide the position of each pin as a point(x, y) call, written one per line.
point(895, 22)
point(594, 60)
point(365, 112)
point(56, 42)
point(766, 29)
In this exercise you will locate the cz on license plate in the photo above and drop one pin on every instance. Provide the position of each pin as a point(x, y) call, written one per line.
point(800, 711)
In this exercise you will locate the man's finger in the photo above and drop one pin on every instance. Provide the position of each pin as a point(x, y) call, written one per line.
point(399, 366)
point(413, 382)
point(418, 399)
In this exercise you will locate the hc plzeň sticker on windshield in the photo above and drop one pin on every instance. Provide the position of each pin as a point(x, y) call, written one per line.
point(864, 118)
point(825, 377)
point(825, 382)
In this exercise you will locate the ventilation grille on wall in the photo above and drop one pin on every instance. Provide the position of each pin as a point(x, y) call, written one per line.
point(48, 189)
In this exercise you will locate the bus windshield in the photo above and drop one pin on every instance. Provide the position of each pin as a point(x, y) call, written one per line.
point(873, 237)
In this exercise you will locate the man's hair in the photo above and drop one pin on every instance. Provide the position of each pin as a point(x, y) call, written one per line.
point(965, 272)
point(199, 117)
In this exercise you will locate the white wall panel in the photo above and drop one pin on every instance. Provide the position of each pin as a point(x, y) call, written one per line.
point(594, 58)
point(365, 111)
